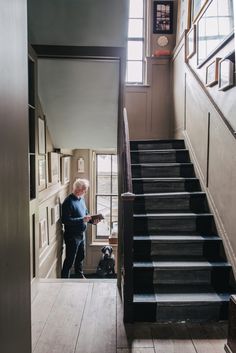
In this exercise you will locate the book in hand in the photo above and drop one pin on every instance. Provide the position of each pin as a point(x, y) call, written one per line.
point(96, 217)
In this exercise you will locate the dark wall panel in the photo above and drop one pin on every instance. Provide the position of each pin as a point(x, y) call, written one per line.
point(14, 185)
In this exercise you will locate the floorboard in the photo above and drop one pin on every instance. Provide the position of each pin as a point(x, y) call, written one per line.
point(98, 328)
point(86, 317)
point(60, 332)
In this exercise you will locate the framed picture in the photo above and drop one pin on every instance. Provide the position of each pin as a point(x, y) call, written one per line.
point(65, 170)
point(41, 173)
point(197, 5)
point(226, 74)
point(41, 136)
point(163, 17)
point(212, 73)
point(183, 18)
point(191, 42)
point(210, 21)
point(43, 233)
point(57, 212)
point(54, 167)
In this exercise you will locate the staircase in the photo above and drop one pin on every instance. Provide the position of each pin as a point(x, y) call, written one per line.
point(180, 271)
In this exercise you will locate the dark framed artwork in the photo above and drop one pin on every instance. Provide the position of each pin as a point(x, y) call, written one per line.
point(191, 42)
point(163, 17)
point(212, 73)
point(226, 74)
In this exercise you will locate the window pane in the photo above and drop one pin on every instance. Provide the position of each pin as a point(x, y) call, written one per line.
point(135, 28)
point(103, 206)
point(114, 175)
point(136, 8)
point(103, 174)
point(135, 50)
point(134, 71)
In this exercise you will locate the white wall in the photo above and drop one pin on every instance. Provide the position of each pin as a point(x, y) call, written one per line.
point(78, 22)
point(80, 100)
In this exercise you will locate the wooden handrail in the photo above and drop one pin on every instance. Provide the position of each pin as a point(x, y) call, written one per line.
point(127, 160)
point(126, 217)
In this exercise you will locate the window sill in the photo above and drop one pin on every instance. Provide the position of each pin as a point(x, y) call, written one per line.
point(101, 243)
point(136, 85)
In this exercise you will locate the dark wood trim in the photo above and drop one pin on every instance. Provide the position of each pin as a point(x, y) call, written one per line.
point(62, 51)
point(128, 291)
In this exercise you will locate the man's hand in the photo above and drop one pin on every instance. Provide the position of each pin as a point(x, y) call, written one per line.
point(87, 218)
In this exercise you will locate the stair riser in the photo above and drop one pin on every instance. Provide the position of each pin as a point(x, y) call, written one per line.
point(169, 204)
point(160, 186)
point(151, 312)
point(157, 226)
point(162, 171)
point(146, 278)
point(135, 145)
point(158, 157)
point(152, 250)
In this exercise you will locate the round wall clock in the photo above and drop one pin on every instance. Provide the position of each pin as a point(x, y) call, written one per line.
point(162, 41)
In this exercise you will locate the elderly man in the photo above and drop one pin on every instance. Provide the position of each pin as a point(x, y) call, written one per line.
point(75, 218)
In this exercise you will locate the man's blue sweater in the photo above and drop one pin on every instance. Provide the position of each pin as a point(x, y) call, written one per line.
point(73, 212)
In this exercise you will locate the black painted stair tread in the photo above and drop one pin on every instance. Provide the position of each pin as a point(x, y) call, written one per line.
point(160, 164)
point(176, 238)
point(157, 144)
point(181, 298)
point(186, 288)
point(160, 151)
point(181, 265)
point(171, 194)
point(173, 215)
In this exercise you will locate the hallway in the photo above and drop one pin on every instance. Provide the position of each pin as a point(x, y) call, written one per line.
point(86, 316)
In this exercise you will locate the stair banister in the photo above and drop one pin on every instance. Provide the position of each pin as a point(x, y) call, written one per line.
point(127, 198)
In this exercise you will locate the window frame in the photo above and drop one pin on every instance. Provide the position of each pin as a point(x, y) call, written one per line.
point(137, 39)
point(95, 153)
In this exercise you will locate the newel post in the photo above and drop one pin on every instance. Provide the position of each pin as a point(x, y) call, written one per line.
point(127, 200)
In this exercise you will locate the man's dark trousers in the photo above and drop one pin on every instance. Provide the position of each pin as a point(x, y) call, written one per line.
point(74, 254)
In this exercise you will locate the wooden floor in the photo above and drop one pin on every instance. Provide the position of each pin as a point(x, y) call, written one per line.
point(86, 317)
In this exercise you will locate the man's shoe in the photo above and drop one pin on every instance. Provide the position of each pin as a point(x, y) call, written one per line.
point(80, 275)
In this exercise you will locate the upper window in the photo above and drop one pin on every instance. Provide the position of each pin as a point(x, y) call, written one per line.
point(106, 199)
point(135, 47)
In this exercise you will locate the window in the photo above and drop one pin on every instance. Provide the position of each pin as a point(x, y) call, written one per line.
point(135, 45)
point(106, 199)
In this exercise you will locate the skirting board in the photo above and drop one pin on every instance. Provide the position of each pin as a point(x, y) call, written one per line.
point(219, 224)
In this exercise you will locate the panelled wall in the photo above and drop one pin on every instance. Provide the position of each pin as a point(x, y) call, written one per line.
point(203, 115)
point(148, 106)
point(48, 188)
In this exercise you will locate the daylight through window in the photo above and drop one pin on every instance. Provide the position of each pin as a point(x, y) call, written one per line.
point(106, 194)
point(135, 47)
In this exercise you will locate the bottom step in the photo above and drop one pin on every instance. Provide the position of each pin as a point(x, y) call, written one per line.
point(181, 307)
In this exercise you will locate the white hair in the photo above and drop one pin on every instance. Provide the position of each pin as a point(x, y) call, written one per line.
point(80, 184)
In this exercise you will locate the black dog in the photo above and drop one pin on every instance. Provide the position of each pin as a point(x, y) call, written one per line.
point(106, 266)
